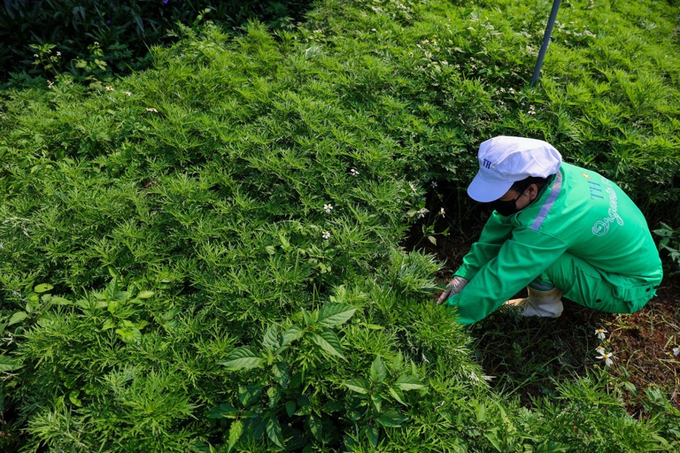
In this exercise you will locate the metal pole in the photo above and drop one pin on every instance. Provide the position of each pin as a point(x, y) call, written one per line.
point(546, 41)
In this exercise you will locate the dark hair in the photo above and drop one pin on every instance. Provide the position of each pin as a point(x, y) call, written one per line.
point(521, 186)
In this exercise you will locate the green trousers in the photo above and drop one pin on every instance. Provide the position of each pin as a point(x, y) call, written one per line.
point(592, 288)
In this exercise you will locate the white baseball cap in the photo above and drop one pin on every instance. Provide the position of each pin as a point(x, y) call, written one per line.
point(505, 160)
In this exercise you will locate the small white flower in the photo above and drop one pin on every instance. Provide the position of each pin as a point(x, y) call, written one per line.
point(58, 53)
point(413, 188)
point(328, 207)
point(502, 90)
point(326, 234)
point(676, 351)
point(434, 184)
point(36, 55)
point(607, 357)
point(421, 212)
point(442, 212)
point(600, 333)
point(600, 350)
point(127, 93)
point(353, 172)
point(445, 63)
point(109, 88)
point(151, 109)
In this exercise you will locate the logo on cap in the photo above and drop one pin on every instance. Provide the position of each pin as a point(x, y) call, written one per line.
point(486, 163)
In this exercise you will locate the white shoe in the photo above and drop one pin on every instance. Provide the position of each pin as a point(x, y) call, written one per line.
point(545, 304)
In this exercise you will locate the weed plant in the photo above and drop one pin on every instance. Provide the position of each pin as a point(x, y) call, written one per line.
point(204, 256)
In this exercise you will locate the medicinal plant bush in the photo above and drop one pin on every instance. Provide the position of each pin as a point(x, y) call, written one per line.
point(607, 99)
point(184, 211)
point(306, 403)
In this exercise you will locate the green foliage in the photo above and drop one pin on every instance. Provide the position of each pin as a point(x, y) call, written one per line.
point(300, 373)
point(90, 39)
point(670, 242)
point(204, 255)
point(608, 95)
point(597, 421)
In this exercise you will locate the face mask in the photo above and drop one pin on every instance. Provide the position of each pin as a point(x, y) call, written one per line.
point(505, 207)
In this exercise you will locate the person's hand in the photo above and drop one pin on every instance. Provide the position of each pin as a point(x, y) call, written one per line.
point(455, 286)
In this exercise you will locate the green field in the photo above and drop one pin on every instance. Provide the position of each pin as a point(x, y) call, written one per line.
point(209, 255)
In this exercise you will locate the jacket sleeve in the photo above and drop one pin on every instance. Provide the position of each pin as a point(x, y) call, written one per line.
point(519, 261)
point(497, 230)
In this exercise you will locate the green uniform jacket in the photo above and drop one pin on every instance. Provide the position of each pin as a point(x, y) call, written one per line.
point(579, 212)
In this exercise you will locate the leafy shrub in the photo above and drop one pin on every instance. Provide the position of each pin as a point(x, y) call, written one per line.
point(94, 38)
point(670, 242)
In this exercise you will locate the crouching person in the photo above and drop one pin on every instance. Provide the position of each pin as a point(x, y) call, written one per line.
point(558, 229)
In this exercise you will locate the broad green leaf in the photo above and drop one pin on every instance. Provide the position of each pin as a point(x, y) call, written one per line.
point(391, 418)
point(292, 334)
point(8, 363)
point(274, 395)
point(378, 370)
point(397, 394)
point(329, 342)
point(291, 407)
point(274, 431)
point(242, 358)
point(332, 315)
point(492, 435)
point(60, 300)
point(235, 432)
point(270, 341)
point(406, 382)
point(17, 317)
point(109, 324)
point(372, 434)
point(377, 402)
point(249, 394)
point(129, 334)
point(315, 426)
point(280, 372)
point(43, 288)
point(223, 411)
point(145, 294)
point(304, 406)
point(357, 385)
